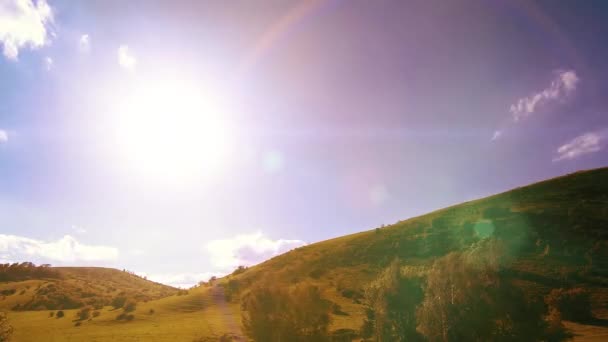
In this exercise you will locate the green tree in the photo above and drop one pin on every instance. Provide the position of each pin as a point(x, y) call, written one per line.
point(467, 298)
point(391, 302)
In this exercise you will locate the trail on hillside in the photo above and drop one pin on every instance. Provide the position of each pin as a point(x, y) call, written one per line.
point(218, 297)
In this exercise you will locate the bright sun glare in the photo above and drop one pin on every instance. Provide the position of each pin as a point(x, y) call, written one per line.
point(172, 132)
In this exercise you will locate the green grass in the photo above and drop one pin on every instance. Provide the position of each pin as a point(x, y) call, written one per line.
point(555, 233)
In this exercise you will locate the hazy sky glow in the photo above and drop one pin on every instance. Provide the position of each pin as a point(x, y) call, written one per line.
point(182, 138)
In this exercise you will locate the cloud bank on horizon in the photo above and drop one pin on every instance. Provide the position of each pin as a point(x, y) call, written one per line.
point(64, 250)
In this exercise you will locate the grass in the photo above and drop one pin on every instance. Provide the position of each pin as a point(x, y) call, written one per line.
point(554, 232)
point(175, 318)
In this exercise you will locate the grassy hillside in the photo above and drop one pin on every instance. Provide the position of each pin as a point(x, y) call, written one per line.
point(75, 287)
point(555, 234)
point(555, 231)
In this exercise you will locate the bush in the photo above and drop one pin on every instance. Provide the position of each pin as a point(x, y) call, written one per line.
point(151, 312)
point(130, 306)
point(391, 302)
point(239, 270)
point(96, 313)
point(77, 324)
point(84, 313)
point(60, 314)
point(573, 304)
point(52, 314)
point(119, 302)
point(6, 330)
point(280, 314)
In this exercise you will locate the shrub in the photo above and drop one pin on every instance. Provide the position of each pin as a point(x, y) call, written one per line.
point(8, 292)
point(119, 302)
point(6, 330)
point(316, 273)
point(60, 314)
point(280, 314)
point(96, 313)
point(84, 313)
point(52, 314)
point(391, 302)
point(130, 306)
point(239, 270)
point(77, 324)
point(573, 304)
point(151, 312)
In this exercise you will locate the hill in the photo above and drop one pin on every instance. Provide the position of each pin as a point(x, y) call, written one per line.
point(554, 232)
point(30, 287)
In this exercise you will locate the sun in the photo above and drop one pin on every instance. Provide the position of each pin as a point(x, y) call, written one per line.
point(172, 131)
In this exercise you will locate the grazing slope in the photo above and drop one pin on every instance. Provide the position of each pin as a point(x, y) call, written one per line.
point(555, 232)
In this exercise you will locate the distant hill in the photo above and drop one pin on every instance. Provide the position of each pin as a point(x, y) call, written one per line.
point(30, 287)
point(555, 234)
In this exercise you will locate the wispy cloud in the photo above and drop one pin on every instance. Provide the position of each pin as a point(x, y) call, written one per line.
point(587, 143)
point(126, 59)
point(66, 249)
point(84, 43)
point(496, 135)
point(247, 249)
point(3, 136)
point(23, 23)
point(563, 85)
point(48, 63)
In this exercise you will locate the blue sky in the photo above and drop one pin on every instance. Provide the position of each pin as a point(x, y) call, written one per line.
point(180, 139)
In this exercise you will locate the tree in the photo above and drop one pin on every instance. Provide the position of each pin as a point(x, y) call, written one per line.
point(6, 330)
point(467, 298)
point(276, 313)
point(391, 302)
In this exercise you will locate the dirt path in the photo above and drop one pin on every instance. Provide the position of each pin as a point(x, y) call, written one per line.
point(217, 295)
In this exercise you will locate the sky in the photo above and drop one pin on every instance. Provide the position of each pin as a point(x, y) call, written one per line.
point(181, 139)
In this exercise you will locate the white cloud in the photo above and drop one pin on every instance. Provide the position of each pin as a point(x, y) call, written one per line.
point(23, 23)
point(3, 136)
point(564, 84)
point(84, 43)
point(587, 143)
point(497, 134)
point(183, 280)
point(126, 58)
point(247, 249)
point(66, 249)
